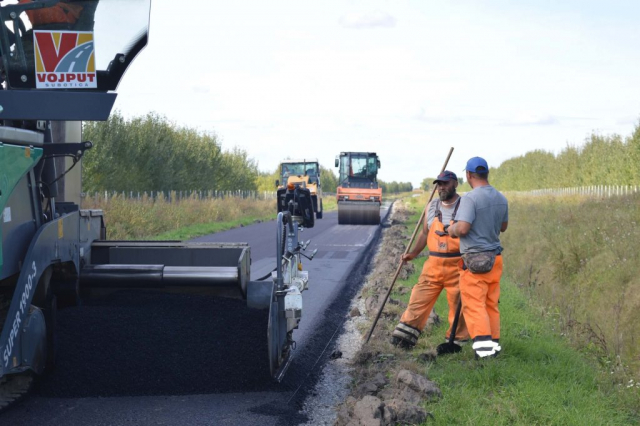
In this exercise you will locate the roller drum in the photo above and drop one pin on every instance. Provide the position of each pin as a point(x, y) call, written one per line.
point(358, 213)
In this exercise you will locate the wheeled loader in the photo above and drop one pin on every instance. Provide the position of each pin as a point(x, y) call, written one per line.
point(57, 70)
point(358, 194)
point(305, 173)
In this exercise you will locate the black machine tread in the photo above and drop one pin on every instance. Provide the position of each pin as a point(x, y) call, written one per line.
point(12, 386)
point(4, 309)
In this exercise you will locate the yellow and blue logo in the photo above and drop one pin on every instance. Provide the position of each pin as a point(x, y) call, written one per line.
point(65, 60)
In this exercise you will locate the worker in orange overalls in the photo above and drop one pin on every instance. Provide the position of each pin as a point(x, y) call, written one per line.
point(482, 216)
point(440, 271)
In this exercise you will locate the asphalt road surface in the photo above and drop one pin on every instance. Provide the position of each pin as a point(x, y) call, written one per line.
point(138, 357)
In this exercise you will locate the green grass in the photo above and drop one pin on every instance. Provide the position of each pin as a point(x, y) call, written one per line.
point(131, 219)
point(329, 203)
point(579, 258)
point(539, 379)
point(200, 229)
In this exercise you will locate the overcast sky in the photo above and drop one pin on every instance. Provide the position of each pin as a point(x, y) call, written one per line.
point(406, 79)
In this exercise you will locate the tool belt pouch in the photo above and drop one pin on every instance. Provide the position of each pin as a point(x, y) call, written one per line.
point(479, 263)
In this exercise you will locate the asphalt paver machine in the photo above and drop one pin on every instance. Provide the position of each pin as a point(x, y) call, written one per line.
point(358, 194)
point(61, 64)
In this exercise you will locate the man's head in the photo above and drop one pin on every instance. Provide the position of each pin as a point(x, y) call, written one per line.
point(477, 171)
point(446, 182)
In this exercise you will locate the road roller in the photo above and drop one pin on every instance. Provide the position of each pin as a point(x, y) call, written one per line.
point(61, 64)
point(358, 194)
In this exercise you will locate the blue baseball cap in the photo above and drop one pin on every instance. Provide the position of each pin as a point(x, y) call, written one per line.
point(445, 177)
point(474, 163)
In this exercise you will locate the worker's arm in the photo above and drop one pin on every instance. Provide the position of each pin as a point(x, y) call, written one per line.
point(421, 243)
point(504, 226)
point(459, 229)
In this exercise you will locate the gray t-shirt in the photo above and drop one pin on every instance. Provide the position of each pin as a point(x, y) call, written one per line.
point(485, 209)
point(447, 212)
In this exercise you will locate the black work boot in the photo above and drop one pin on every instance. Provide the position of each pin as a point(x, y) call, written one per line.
point(405, 336)
point(399, 342)
point(485, 347)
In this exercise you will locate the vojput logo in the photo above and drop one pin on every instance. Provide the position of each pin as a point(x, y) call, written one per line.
point(64, 60)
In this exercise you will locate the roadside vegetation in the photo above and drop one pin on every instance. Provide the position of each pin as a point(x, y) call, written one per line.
point(162, 219)
point(578, 258)
point(148, 218)
point(150, 153)
point(601, 160)
point(548, 372)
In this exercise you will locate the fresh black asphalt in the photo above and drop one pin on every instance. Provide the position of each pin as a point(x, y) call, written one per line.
point(141, 357)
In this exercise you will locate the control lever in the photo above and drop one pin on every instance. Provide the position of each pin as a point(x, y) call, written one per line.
point(312, 254)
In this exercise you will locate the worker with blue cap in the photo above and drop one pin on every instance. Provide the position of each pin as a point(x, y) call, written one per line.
point(483, 214)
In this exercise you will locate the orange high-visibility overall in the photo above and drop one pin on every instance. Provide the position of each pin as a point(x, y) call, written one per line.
point(480, 294)
point(440, 272)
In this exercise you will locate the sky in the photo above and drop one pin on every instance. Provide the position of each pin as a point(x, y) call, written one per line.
point(406, 79)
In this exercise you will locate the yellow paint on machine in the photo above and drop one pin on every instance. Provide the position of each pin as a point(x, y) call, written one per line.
point(60, 230)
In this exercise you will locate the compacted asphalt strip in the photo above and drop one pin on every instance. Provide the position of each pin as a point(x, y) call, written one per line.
point(143, 357)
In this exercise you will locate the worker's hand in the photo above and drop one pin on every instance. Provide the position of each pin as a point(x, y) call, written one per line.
point(407, 257)
point(448, 227)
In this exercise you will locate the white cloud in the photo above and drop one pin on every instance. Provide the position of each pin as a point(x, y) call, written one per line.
point(368, 20)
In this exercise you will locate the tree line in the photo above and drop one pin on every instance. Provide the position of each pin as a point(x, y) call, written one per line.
point(602, 160)
point(395, 187)
point(151, 153)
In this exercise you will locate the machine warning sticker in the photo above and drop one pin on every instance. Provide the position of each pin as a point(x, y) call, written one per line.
point(6, 215)
point(64, 60)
